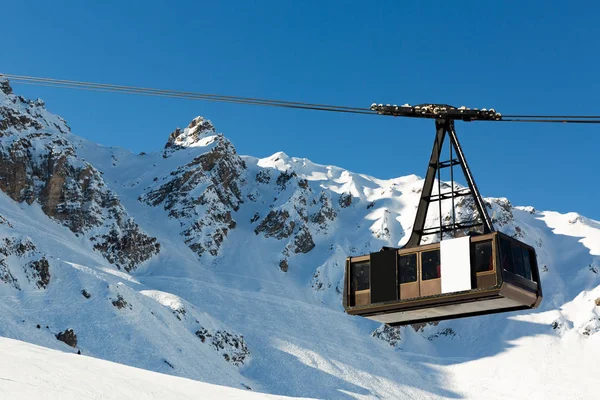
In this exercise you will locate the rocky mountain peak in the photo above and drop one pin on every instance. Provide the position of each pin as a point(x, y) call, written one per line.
point(200, 132)
point(5, 86)
point(204, 192)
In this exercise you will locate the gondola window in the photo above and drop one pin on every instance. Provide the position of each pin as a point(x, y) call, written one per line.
point(483, 256)
point(506, 255)
point(430, 264)
point(408, 268)
point(518, 260)
point(527, 262)
point(360, 276)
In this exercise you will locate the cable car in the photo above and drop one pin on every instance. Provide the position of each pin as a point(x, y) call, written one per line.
point(472, 269)
point(460, 277)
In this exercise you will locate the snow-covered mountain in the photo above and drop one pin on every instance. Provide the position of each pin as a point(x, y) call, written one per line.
point(197, 262)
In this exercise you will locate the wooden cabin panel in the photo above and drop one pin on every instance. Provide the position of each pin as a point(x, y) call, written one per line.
point(362, 297)
point(486, 280)
point(431, 287)
point(481, 238)
point(366, 257)
point(409, 290)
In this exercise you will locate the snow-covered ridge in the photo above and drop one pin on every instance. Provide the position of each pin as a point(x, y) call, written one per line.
point(245, 291)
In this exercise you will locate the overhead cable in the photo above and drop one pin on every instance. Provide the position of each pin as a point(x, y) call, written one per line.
point(112, 88)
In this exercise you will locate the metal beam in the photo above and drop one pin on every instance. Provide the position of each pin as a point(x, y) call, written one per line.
point(441, 127)
point(446, 127)
point(485, 218)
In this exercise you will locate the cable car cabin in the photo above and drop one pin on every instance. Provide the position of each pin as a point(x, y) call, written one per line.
point(466, 276)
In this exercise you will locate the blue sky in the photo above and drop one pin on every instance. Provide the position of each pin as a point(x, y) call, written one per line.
point(517, 57)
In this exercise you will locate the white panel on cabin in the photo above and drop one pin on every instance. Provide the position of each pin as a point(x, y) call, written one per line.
point(455, 255)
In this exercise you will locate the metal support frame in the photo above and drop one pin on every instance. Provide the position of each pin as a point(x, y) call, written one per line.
point(445, 126)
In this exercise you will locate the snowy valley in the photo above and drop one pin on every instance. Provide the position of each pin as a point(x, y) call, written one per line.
point(197, 262)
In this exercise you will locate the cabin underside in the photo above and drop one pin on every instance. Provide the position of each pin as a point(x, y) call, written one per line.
point(449, 311)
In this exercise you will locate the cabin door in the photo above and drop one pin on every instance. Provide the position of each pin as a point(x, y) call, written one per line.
point(430, 282)
point(408, 276)
point(383, 276)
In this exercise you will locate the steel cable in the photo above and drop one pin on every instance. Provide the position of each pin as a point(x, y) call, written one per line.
point(104, 87)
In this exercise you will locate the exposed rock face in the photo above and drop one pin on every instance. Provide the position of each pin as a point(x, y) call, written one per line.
point(303, 242)
point(502, 213)
point(6, 275)
point(126, 247)
point(5, 87)
point(276, 224)
point(446, 332)
point(297, 213)
point(203, 193)
point(325, 213)
point(284, 177)
point(39, 163)
point(21, 253)
point(38, 272)
point(232, 347)
point(68, 337)
point(390, 334)
point(590, 327)
point(345, 200)
point(263, 177)
point(499, 210)
point(120, 302)
point(4, 221)
point(283, 265)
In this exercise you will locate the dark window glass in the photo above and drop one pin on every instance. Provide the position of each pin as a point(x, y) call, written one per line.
point(517, 256)
point(505, 255)
point(408, 268)
point(360, 276)
point(527, 263)
point(430, 262)
point(483, 256)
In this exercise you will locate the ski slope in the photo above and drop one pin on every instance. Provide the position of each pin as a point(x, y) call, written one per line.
point(33, 372)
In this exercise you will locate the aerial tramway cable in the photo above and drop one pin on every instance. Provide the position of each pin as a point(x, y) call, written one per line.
point(180, 94)
point(104, 87)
